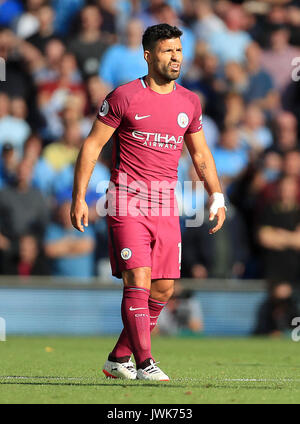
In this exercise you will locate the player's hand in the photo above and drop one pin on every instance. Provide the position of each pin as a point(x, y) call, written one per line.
point(79, 214)
point(217, 210)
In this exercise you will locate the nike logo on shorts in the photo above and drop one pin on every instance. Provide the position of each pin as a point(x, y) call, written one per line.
point(135, 309)
point(137, 117)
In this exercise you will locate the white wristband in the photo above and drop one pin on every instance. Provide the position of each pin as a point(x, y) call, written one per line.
point(216, 201)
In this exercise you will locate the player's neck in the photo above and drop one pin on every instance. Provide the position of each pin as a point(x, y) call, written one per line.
point(159, 86)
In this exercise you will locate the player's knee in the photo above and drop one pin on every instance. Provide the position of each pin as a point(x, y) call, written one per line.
point(139, 277)
point(162, 294)
point(169, 293)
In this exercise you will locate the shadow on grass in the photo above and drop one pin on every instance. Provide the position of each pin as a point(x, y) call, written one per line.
point(11, 380)
point(22, 381)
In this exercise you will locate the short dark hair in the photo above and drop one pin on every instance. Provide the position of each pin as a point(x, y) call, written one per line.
point(159, 32)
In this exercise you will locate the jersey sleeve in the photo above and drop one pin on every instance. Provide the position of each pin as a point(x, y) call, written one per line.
point(112, 109)
point(196, 122)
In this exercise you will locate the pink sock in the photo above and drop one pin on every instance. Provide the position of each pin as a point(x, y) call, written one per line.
point(123, 348)
point(136, 320)
point(155, 308)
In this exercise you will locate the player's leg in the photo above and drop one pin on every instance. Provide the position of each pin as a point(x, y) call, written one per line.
point(135, 336)
point(166, 257)
point(161, 291)
point(130, 257)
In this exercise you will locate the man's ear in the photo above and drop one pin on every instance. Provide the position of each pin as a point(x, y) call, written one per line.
point(147, 56)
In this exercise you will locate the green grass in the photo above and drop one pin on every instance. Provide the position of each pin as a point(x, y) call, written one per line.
point(68, 370)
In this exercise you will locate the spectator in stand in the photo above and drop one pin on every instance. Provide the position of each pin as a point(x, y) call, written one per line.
point(64, 152)
point(90, 44)
point(274, 16)
point(147, 13)
point(234, 109)
point(65, 12)
point(293, 22)
point(276, 313)
point(269, 177)
point(202, 77)
point(109, 12)
point(122, 63)
point(8, 165)
point(236, 78)
point(230, 158)
point(263, 183)
point(29, 259)
point(261, 88)
point(253, 132)
point(52, 96)
point(291, 164)
point(278, 233)
point(222, 256)
point(45, 32)
point(64, 180)
point(97, 91)
point(207, 22)
point(21, 129)
point(278, 59)
point(286, 132)
point(46, 68)
point(43, 175)
point(70, 252)
point(22, 207)
point(27, 24)
point(231, 44)
point(17, 55)
point(73, 112)
point(18, 108)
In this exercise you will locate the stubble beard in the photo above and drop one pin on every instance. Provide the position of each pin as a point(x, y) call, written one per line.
point(166, 75)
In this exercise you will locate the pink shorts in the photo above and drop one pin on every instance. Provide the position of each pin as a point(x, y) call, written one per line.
point(145, 241)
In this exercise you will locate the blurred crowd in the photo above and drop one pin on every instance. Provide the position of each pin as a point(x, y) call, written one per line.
point(64, 56)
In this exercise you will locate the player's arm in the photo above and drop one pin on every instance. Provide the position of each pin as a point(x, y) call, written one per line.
point(206, 169)
point(86, 161)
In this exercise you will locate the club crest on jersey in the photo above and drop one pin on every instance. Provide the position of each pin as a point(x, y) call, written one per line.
point(126, 253)
point(104, 108)
point(182, 120)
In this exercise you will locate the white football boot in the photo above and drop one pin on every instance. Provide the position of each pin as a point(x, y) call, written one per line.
point(152, 372)
point(125, 370)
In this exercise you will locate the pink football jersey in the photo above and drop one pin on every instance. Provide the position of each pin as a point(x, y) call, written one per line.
point(150, 129)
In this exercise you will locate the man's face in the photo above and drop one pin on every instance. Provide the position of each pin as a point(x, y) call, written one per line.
point(165, 59)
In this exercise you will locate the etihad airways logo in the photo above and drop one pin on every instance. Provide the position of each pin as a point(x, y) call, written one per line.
point(157, 139)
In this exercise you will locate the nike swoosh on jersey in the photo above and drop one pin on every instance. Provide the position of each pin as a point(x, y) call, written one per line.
point(137, 117)
point(135, 309)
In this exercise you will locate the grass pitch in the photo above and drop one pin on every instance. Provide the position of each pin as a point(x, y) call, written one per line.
point(56, 370)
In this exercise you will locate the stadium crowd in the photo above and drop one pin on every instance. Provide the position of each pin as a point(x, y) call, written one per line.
point(64, 56)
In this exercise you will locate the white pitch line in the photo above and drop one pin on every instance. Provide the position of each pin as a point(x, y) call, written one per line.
point(12, 377)
point(182, 379)
point(263, 379)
